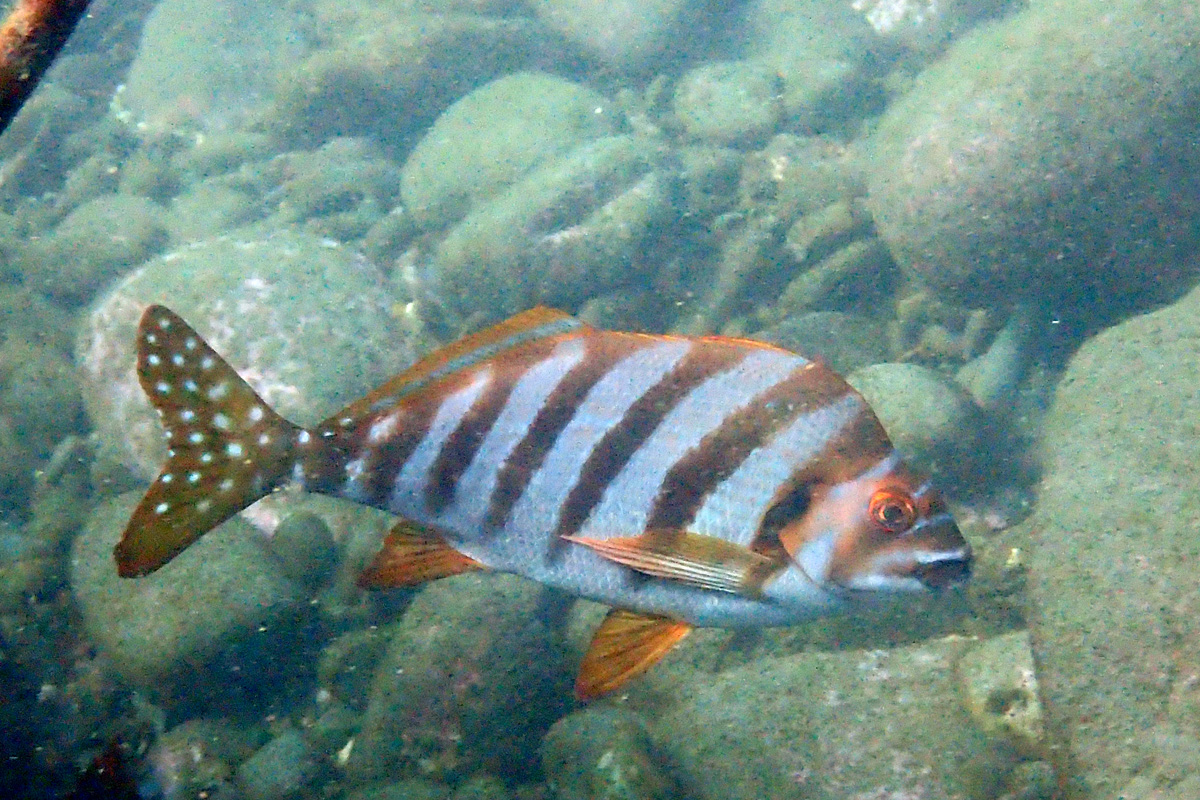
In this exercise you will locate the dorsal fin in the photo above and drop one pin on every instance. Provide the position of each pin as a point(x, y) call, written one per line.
point(536, 323)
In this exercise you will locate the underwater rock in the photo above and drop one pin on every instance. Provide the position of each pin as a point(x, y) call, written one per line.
point(1001, 692)
point(285, 768)
point(384, 72)
point(1049, 152)
point(845, 342)
point(602, 753)
point(307, 323)
point(569, 230)
point(218, 627)
point(303, 546)
point(338, 190)
point(95, 243)
point(929, 418)
point(412, 789)
point(624, 33)
point(202, 66)
point(495, 135)
point(818, 50)
point(821, 725)
point(473, 678)
point(729, 103)
point(1114, 609)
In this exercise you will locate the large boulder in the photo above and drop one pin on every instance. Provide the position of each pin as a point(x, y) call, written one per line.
point(308, 323)
point(1053, 151)
point(1116, 613)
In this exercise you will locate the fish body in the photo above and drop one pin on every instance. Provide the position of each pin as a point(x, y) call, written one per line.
point(687, 481)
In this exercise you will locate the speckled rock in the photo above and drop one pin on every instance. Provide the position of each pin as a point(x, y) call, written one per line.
point(93, 245)
point(214, 627)
point(568, 231)
point(929, 418)
point(822, 726)
point(401, 64)
point(204, 67)
point(818, 50)
point(624, 33)
point(307, 323)
point(285, 768)
point(1113, 582)
point(493, 137)
point(729, 103)
point(844, 341)
point(602, 753)
point(473, 678)
point(1000, 687)
point(1025, 159)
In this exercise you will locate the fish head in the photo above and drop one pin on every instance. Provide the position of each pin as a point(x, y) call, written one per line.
point(883, 530)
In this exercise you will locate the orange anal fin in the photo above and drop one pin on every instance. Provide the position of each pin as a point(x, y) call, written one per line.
point(705, 562)
point(625, 645)
point(412, 555)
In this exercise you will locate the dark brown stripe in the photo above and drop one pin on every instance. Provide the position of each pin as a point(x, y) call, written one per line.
point(462, 445)
point(382, 462)
point(613, 452)
point(688, 483)
point(603, 352)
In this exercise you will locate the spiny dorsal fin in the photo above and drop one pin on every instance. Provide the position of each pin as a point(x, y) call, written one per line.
point(626, 644)
point(536, 323)
point(226, 446)
point(706, 562)
point(412, 555)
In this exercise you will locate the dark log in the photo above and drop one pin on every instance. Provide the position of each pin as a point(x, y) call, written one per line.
point(30, 38)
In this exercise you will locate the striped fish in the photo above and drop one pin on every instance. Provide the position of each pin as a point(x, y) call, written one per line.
point(683, 481)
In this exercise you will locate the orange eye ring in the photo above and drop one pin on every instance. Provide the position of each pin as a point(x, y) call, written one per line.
point(892, 510)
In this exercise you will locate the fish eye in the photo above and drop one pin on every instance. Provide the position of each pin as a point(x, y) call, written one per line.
point(892, 510)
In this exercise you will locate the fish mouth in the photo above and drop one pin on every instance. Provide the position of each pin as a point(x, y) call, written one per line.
point(938, 571)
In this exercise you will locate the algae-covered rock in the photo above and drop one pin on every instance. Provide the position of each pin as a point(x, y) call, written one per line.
point(568, 231)
point(386, 69)
point(602, 754)
point(624, 33)
point(473, 678)
point(1114, 607)
point(214, 627)
point(1052, 151)
point(819, 51)
point(93, 245)
point(494, 136)
point(929, 418)
point(822, 726)
point(205, 66)
point(285, 768)
point(1000, 688)
point(730, 103)
point(844, 341)
point(307, 323)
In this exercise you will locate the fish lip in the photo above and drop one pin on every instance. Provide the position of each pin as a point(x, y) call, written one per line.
point(944, 569)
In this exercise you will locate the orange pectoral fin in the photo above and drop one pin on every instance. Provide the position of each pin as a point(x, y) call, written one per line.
point(625, 645)
point(705, 562)
point(412, 555)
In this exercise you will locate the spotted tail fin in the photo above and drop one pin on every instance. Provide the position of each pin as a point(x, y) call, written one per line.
point(226, 447)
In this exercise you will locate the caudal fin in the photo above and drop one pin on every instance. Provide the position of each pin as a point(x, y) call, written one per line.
point(226, 446)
